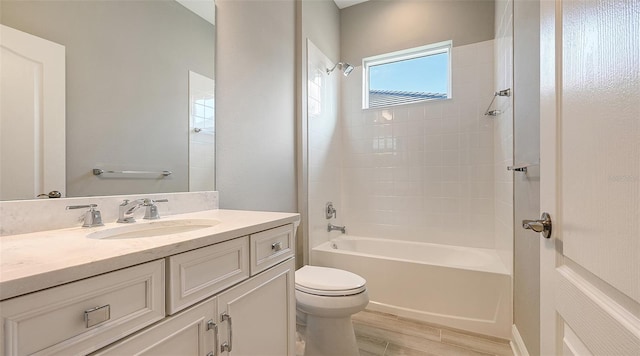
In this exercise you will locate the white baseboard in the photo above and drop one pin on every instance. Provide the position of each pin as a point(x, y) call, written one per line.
point(517, 344)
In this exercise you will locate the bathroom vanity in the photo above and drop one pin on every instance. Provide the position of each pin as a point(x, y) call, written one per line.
point(224, 284)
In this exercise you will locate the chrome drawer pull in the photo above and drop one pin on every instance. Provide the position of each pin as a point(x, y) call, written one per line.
point(227, 346)
point(97, 315)
point(276, 246)
point(213, 326)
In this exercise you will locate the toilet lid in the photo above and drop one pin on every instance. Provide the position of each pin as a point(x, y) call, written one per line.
point(328, 281)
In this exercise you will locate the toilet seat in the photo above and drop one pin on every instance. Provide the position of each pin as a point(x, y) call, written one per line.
point(330, 282)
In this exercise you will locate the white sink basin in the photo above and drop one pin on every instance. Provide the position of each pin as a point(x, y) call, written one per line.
point(151, 229)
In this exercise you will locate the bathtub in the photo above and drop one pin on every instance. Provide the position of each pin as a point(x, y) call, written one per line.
point(457, 287)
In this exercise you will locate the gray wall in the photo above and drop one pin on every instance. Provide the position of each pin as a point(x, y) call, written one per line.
point(321, 24)
point(127, 66)
point(526, 97)
point(382, 26)
point(255, 104)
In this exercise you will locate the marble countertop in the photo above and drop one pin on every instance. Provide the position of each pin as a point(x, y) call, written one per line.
point(39, 260)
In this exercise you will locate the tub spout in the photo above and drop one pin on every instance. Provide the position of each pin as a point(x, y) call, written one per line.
point(331, 227)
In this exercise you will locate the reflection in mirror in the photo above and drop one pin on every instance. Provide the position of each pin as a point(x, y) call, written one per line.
point(131, 103)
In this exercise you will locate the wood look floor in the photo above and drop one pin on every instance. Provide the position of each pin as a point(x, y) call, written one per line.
point(382, 334)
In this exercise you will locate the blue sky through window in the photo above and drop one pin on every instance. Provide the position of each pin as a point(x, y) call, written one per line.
point(423, 74)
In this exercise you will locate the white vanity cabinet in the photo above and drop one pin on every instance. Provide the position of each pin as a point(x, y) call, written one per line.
point(258, 317)
point(234, 297)
point(198, 274)
point(271, 247)
point(190, 333)
point(82, 316)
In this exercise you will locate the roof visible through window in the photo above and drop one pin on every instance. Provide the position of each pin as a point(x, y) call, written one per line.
point(407, 76)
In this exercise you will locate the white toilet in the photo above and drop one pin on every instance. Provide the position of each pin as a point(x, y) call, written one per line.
point(325, 300)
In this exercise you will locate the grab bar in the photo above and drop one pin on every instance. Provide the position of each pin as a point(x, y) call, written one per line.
point(98, 171)
point(505, 92)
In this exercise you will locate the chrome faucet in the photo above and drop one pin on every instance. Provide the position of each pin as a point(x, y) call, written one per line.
point(127, 208)
point(331, 227)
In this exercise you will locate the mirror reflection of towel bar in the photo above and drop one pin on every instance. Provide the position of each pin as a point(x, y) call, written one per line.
point(98, 171)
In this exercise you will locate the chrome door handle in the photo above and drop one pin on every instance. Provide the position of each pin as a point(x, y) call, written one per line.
point(227, 346)
point(213, 326)
point(542, 226)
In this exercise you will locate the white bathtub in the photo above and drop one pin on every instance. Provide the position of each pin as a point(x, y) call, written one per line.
point(459, 287)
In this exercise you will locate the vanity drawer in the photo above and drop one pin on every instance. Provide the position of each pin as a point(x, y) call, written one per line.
point(83, 316)
point(199, 274)
point(271, 247)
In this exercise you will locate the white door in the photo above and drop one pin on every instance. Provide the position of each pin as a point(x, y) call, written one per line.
point(590, 177)
point(32, 115)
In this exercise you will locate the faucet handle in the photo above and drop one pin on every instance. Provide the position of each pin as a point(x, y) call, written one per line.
point(330, 211)
point(90, 206)
point(151, 211)
point(148, 201)
point(92, 217)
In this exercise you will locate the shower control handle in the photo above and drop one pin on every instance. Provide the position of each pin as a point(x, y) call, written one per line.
point(330, 211)
point(542, 226)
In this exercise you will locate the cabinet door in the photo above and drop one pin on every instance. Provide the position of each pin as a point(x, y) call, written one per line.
point(257, 317)
point(192, 332)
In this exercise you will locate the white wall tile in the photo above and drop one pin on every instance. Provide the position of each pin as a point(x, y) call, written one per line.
point(424, 171)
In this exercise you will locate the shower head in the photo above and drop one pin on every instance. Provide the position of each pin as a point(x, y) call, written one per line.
point(346, 68)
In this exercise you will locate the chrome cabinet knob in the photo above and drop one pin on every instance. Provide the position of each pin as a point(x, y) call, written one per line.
point(542, 226)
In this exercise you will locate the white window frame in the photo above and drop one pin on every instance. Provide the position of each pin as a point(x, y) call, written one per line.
point(411, 53)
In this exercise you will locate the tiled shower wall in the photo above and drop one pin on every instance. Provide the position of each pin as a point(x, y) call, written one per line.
point(424, 171)
point(503, 133)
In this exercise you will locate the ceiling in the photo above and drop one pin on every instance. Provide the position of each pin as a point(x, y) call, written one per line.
point(346, 3)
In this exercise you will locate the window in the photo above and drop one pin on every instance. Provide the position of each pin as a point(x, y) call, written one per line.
point(416, 74)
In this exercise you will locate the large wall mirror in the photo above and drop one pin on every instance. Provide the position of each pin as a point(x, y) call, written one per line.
point(138, 103)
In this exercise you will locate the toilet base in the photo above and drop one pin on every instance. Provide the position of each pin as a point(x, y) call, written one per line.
point(329, 336)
